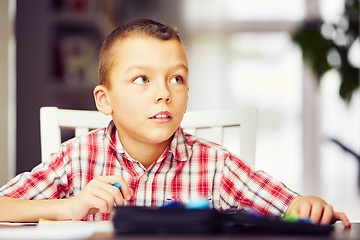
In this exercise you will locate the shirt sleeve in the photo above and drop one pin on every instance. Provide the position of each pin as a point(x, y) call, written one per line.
point(243, 188)
point(48, 180)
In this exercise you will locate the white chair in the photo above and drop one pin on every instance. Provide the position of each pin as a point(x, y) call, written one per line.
point(211, 125)
point(233, 128)
point(53, 120)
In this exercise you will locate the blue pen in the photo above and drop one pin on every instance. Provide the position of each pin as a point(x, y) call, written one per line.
point(117, 185)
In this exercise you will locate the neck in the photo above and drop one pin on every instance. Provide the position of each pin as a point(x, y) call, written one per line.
point(145, 153)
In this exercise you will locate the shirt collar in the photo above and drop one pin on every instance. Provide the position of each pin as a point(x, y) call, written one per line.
point(110, 134)
point(180, 147)
point(114, 141)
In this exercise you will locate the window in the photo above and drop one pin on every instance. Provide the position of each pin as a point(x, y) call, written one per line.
point(240, 54)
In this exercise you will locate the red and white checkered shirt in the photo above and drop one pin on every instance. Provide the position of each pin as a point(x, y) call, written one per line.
point(189, 168)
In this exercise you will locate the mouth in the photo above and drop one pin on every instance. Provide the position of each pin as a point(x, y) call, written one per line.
point(162, 115)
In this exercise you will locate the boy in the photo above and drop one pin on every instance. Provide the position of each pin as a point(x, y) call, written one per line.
point(143, 74)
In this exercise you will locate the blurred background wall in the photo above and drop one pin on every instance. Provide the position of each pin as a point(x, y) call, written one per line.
point(241, 53)
point(7, 91)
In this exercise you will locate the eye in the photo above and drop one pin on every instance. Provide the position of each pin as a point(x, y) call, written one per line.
point(141, 80)
point(176, 80)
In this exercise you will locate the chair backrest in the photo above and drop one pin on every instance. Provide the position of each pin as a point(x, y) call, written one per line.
point(234, 128)
point(53, 120)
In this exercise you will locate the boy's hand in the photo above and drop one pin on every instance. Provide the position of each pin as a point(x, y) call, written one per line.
point(98, 196)
point(317, 210)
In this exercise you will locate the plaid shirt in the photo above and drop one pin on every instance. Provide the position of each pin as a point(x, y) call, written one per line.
point(189, 168)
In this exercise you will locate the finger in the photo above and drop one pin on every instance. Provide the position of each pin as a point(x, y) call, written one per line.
point(101, 184)
point(304, 209)
point(327, 215)
point(113, 195)
point(124, 189)
point(118, 197)
point(316, 212)
point(107, 197)
point(104, 182)
point(343, 218)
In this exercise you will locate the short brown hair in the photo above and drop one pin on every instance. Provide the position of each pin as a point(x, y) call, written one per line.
point(145, 27)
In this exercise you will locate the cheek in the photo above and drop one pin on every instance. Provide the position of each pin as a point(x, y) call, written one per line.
point(120, 101)
point(183, 95)
point(181, 91)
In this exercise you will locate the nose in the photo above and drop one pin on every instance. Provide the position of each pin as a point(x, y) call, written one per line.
point(167, 100)
point(163, 93)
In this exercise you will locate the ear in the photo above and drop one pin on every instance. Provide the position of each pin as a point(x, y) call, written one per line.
point(101, 100)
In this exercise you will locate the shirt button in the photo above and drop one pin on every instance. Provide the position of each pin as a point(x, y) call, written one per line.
point(144, 178)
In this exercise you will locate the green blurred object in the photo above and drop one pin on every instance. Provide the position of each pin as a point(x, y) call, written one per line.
point(292, 218)
point(326, 45)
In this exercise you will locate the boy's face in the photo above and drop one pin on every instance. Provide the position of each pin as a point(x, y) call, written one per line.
point(149, 89)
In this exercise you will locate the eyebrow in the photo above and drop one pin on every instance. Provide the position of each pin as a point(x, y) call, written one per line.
point(146, 67)
point(181, 66)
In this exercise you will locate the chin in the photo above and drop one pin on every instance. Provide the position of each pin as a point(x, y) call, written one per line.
point(161, 137)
